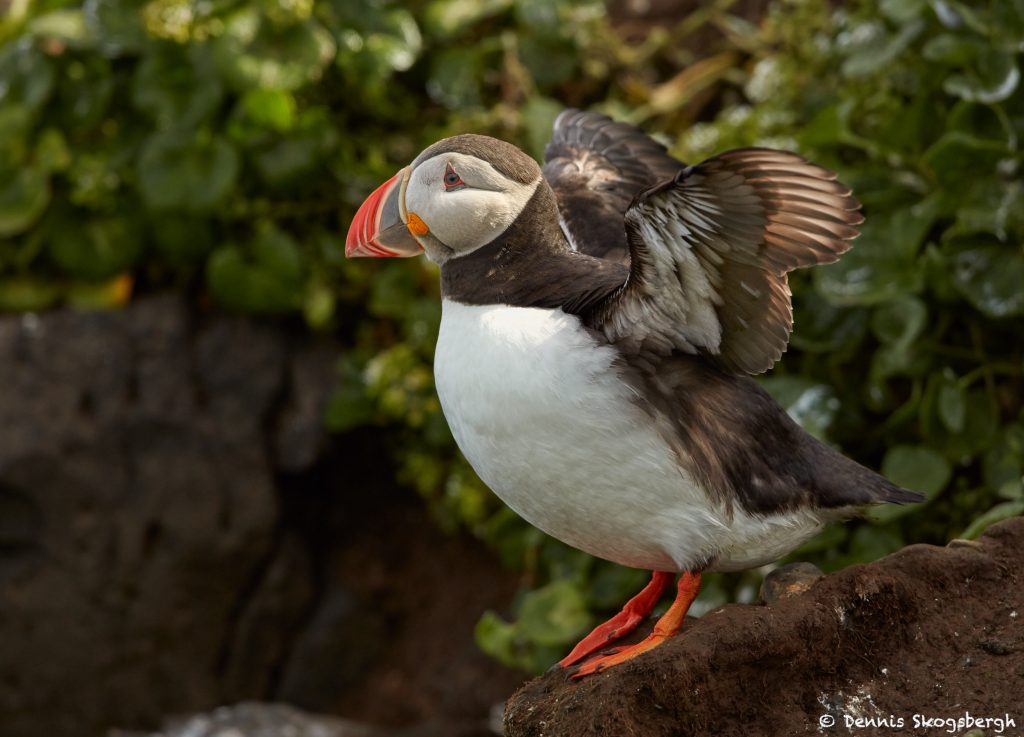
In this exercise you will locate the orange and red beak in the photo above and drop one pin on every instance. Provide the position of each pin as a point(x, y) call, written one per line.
point(379, 227)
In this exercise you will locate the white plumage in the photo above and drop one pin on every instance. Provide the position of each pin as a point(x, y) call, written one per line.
point(538, 408)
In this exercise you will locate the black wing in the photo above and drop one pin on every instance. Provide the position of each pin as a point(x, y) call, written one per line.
point(596, 166)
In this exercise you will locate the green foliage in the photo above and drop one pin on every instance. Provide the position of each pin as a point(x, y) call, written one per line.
point(226, 144)
point(223, 146)
point(548, 617)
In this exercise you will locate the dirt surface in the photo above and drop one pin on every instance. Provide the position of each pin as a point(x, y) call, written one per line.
point(926, 633)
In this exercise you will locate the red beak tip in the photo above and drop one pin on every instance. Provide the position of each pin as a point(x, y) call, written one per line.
point(377, 222)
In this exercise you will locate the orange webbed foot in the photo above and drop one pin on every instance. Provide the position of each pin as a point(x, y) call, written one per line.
point(621, 624)
point(686, 591)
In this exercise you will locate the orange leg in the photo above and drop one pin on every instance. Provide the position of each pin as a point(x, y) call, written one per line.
point(687, 588)
point(623, 623)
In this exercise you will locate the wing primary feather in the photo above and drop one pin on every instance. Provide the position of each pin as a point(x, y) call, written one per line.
point(710, 249)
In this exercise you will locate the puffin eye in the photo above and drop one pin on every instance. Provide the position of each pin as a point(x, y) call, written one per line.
point(452, 180)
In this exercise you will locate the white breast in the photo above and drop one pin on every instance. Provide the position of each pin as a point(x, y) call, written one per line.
point(536, 406)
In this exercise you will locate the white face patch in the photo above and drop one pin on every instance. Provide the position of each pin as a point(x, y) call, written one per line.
point(464, 218)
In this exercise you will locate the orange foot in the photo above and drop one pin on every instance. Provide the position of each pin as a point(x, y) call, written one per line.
point(623, 623)
point(686, 591)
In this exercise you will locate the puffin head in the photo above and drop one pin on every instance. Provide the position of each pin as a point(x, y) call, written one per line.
point(458, 195)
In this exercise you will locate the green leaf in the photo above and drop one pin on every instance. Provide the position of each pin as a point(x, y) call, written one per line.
point(1003, 470)
point(497, 638)
point(349, 405)
point(955, 15)
point(979, 425)
point(398, 44)
point(66, 25)
point(869, 543)
point(108, 294)
point(989, 207)
point(95, 247)
point(252, 53)
point(271, 109)
point(991, 277)
point(812, 405)
point(613, 584)
point(875, 50)
point(882, 264)
point(953, 406)
point(27, 294)
point(901, 11)
point(377, 42)
point(318, 307)
point(455, 78)
point(446, 18)
point(308, 145)
point(177, 88)
point(819, 326)
point(511, 538)
point(993, 79)
point(24, 196)
point(15, 136)
point(826, 127)
point(538, 115)
point(957, 157)
point(899, 321)
point(85, 93)
point(952, 49)
point(997, 514)
point(553, 614)
point(278, 252)
point(52, 151)
point(264, 276)
point(867, 275)
point(888, 361)
point(917, 468)
point(117, 25)
point(286, 12)
point(27, 77)
point(550, 62)
point(182, 241)
point(176, 173)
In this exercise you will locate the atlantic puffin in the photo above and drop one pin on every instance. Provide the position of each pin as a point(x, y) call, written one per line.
point(601, 322)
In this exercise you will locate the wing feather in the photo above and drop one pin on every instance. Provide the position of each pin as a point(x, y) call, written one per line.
point(596, 166)
point(710, 250)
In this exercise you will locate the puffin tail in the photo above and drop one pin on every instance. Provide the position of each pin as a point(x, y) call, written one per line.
point(845, 482)
point(890, 493)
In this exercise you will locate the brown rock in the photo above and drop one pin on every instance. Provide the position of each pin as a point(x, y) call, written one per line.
point(139, 513)
point(788, 580)
point(178, 532)
point(928, 630)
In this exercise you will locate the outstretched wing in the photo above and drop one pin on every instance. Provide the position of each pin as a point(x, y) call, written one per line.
point(710, 250)
point(596, 166)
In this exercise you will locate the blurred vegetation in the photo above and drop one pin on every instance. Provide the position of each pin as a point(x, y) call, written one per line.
point(221, 148)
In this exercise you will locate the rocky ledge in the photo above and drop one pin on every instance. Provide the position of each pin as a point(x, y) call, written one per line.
point(178, 532)
point(928, 633)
